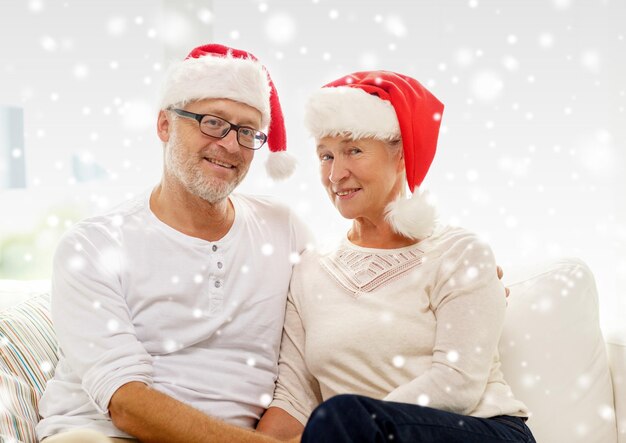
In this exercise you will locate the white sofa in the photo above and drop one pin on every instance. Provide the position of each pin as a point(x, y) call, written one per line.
point(553, 355)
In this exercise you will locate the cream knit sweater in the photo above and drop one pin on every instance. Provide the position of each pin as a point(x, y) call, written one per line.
point(419, 324)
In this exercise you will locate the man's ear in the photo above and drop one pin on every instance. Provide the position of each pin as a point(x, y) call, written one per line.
point(163, 126)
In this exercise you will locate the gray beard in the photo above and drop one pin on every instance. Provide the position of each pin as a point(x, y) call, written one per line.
point(188, 172)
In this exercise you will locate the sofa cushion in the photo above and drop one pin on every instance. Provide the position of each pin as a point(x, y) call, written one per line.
point(554, 356)
point(28, 355)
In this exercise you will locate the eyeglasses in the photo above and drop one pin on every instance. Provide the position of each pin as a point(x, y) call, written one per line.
point(217, 127)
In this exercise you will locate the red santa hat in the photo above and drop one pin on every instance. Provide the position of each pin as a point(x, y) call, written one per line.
point(386, 106)
point(217, 71)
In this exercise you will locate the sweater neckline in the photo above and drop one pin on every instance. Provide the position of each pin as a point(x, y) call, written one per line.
point(361, 270)
point(345, 243)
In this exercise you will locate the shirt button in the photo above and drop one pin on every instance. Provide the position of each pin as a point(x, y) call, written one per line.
point(219, 265)
point(218, 284)
point(214, 248)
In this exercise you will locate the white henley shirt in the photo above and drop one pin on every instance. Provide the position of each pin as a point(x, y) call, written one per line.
point(136, 300)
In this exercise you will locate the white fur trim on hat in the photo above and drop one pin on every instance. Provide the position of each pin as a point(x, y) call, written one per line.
point(334, 111)
point(280, 165)
point(413, 217)
point(242, 80)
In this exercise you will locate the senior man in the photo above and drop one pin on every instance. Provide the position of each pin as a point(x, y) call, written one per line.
point(169, 309)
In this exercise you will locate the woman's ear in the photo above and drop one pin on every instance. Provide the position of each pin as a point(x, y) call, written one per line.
point(401, 165)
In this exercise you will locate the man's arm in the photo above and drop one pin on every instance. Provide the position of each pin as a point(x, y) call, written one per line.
point(152, 416)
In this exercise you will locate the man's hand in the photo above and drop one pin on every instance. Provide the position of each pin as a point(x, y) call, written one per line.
point(154, 417)
point(500, 274)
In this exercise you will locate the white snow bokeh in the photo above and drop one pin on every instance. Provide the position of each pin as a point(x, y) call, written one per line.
point(562, 4)
point(49, 43)
point(174, 29)
point(113, 325)
point(280, 28)
point(398, 361)
point(80, 71)
point(205, 15)
point(265, 400)
point(395, 26)
point(452, 356)
point(170, 345)
point(511, 39)
point(36, 5)
point(510, 63)
point(590, 59)
point(368, 61)
point(423, 400)
point(607, 413)
point(546, 40)
point(294, 258)
point(464, 57)
point(597, 154)
point(46, 366)
point(137, 114)
point(267, 249)
point(116, 26)
point(109, 259)
point(486, 85)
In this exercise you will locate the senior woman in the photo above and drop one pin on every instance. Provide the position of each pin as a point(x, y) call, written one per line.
point(393, 335)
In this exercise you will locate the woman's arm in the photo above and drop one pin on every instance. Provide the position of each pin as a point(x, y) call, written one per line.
point(297, 391)
point(278, 423)
point(469, 308)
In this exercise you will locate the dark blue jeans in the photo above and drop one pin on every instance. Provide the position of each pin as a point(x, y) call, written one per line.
point(354, 418)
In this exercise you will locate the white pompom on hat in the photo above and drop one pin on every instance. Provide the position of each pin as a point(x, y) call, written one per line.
point(217, 71)
point(386, 106)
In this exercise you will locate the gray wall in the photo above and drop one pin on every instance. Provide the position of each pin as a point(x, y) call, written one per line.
point(532, 150)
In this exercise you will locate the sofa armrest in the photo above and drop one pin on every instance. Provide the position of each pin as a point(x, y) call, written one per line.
point(616, 350)
point(28, 356)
